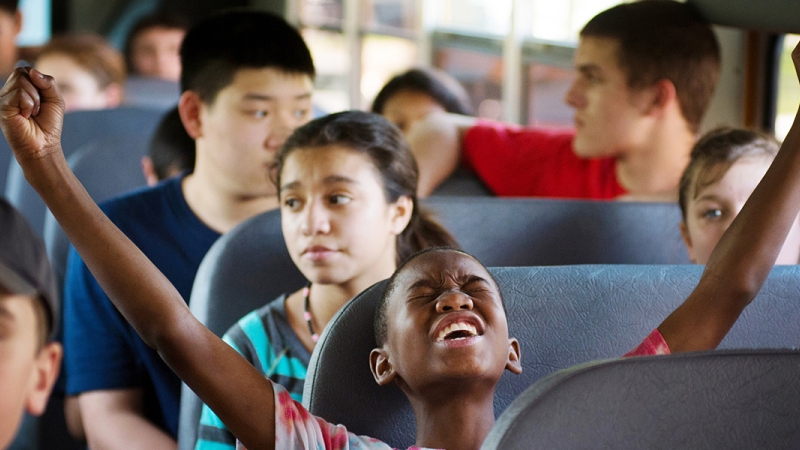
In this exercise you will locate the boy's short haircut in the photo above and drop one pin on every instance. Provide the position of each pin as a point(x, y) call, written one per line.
point(664, 39)
point(9, 6)
point(171, 147)
point(441, 87)
point(163, 19)
point(25, 270)
point(216, 48)
point(382, 309)
point(714, 154)
point(92, 52)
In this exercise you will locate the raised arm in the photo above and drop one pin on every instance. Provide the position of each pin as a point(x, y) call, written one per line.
point(742, 260)
point(31, 116)
point(436, 145)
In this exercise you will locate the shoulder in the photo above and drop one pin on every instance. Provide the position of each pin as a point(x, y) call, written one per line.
point(143, 200)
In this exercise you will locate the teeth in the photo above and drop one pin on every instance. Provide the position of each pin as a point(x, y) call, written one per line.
point(459, 326)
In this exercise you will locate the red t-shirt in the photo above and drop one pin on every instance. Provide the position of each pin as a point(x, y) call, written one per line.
point(530, 162)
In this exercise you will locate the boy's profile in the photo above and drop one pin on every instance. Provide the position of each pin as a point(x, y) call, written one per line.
point(246, 82)
point(646, 72)
point(445, 340)
point(29, 358)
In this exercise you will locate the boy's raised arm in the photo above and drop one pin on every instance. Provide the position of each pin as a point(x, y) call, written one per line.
point(742, 260)
point(31, 116)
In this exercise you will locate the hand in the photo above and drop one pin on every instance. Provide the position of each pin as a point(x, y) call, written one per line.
point(31, 114)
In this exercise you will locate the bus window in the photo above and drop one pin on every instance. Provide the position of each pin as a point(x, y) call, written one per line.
point(788, 89)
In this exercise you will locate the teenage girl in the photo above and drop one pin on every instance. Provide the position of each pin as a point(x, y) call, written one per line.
point(349, 214)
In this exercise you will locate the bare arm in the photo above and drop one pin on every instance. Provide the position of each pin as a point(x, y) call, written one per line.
point(31, 116)
point(436, 145)
point(115, 420)
point(742, 260)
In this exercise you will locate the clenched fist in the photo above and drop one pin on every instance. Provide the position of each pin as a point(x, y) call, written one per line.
point(31, 114)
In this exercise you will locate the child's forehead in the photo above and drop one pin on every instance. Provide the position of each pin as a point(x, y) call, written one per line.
point(435, 267)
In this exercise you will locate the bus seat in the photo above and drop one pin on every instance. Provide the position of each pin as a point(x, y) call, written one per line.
point(727, 399)
point(562, 316)
point(505, 232)
point(80, 128)
point(148, 92)
point(106, 167)
point(781, 16)
point(246, 268)
point(5, 160)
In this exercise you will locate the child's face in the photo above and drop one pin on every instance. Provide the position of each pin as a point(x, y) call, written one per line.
point(407, 107)
point(155, 53)
point(238, 134)
point(27, 372)
point(710, 212)
point(445, 323)
point(337, 223)
point(76, 84)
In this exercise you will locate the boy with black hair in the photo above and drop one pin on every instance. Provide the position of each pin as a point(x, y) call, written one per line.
point(449, 373)
point(29, 357)
point(646, 72)
point(246, 81)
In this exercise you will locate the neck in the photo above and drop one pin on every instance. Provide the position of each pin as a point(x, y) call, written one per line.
point(220, 209)
point(457, 418)
point(653, 171)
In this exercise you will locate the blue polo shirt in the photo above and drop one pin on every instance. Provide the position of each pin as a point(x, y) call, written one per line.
point(102, 351)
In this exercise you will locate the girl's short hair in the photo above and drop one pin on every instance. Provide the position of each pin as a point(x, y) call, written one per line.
point(93, 53)
point(714, 154)
point(375, 137)
point(440, 86)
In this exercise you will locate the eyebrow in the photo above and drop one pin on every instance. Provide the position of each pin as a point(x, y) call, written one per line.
point(270, 98)
point(331, 179)
point(711, 197)
point(590, 69)
point(425, 282)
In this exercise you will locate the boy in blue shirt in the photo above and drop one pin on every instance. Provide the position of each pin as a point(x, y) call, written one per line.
point(246, 81)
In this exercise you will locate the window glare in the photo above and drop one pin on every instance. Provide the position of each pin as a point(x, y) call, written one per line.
point(788, 88)
point(481, 16)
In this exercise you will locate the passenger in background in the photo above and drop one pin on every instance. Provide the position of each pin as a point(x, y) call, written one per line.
point(10, 26)
point(29, 357)
point(171, 150)
point(413, 95)
point(349, 213)
point(247, 81)
point(726, 165)
point(90, 72)
point(646, 74)
point(153, 46)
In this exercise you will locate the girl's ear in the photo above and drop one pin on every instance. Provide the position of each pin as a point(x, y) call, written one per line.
point(382, 369)
point(189, 107)
point(45, 372)
point(401, 213)
point(687, 239)
point(514, 364)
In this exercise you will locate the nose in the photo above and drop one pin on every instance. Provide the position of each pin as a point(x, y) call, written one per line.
point(315, 219)
point(279, 130)
point(575, 96)
point(453, 301)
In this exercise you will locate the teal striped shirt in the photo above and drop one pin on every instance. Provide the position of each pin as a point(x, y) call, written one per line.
point(265, 338)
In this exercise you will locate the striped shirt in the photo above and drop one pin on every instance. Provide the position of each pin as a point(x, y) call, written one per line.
point(265, 338)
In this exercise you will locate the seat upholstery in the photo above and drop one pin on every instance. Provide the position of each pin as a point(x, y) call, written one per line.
point(727, 399)
point(80, 129)
point(106, 167)
point(246, 268)
point(562, 316)
point(505, 232)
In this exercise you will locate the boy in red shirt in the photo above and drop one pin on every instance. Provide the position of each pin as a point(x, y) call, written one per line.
point(646, 73)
